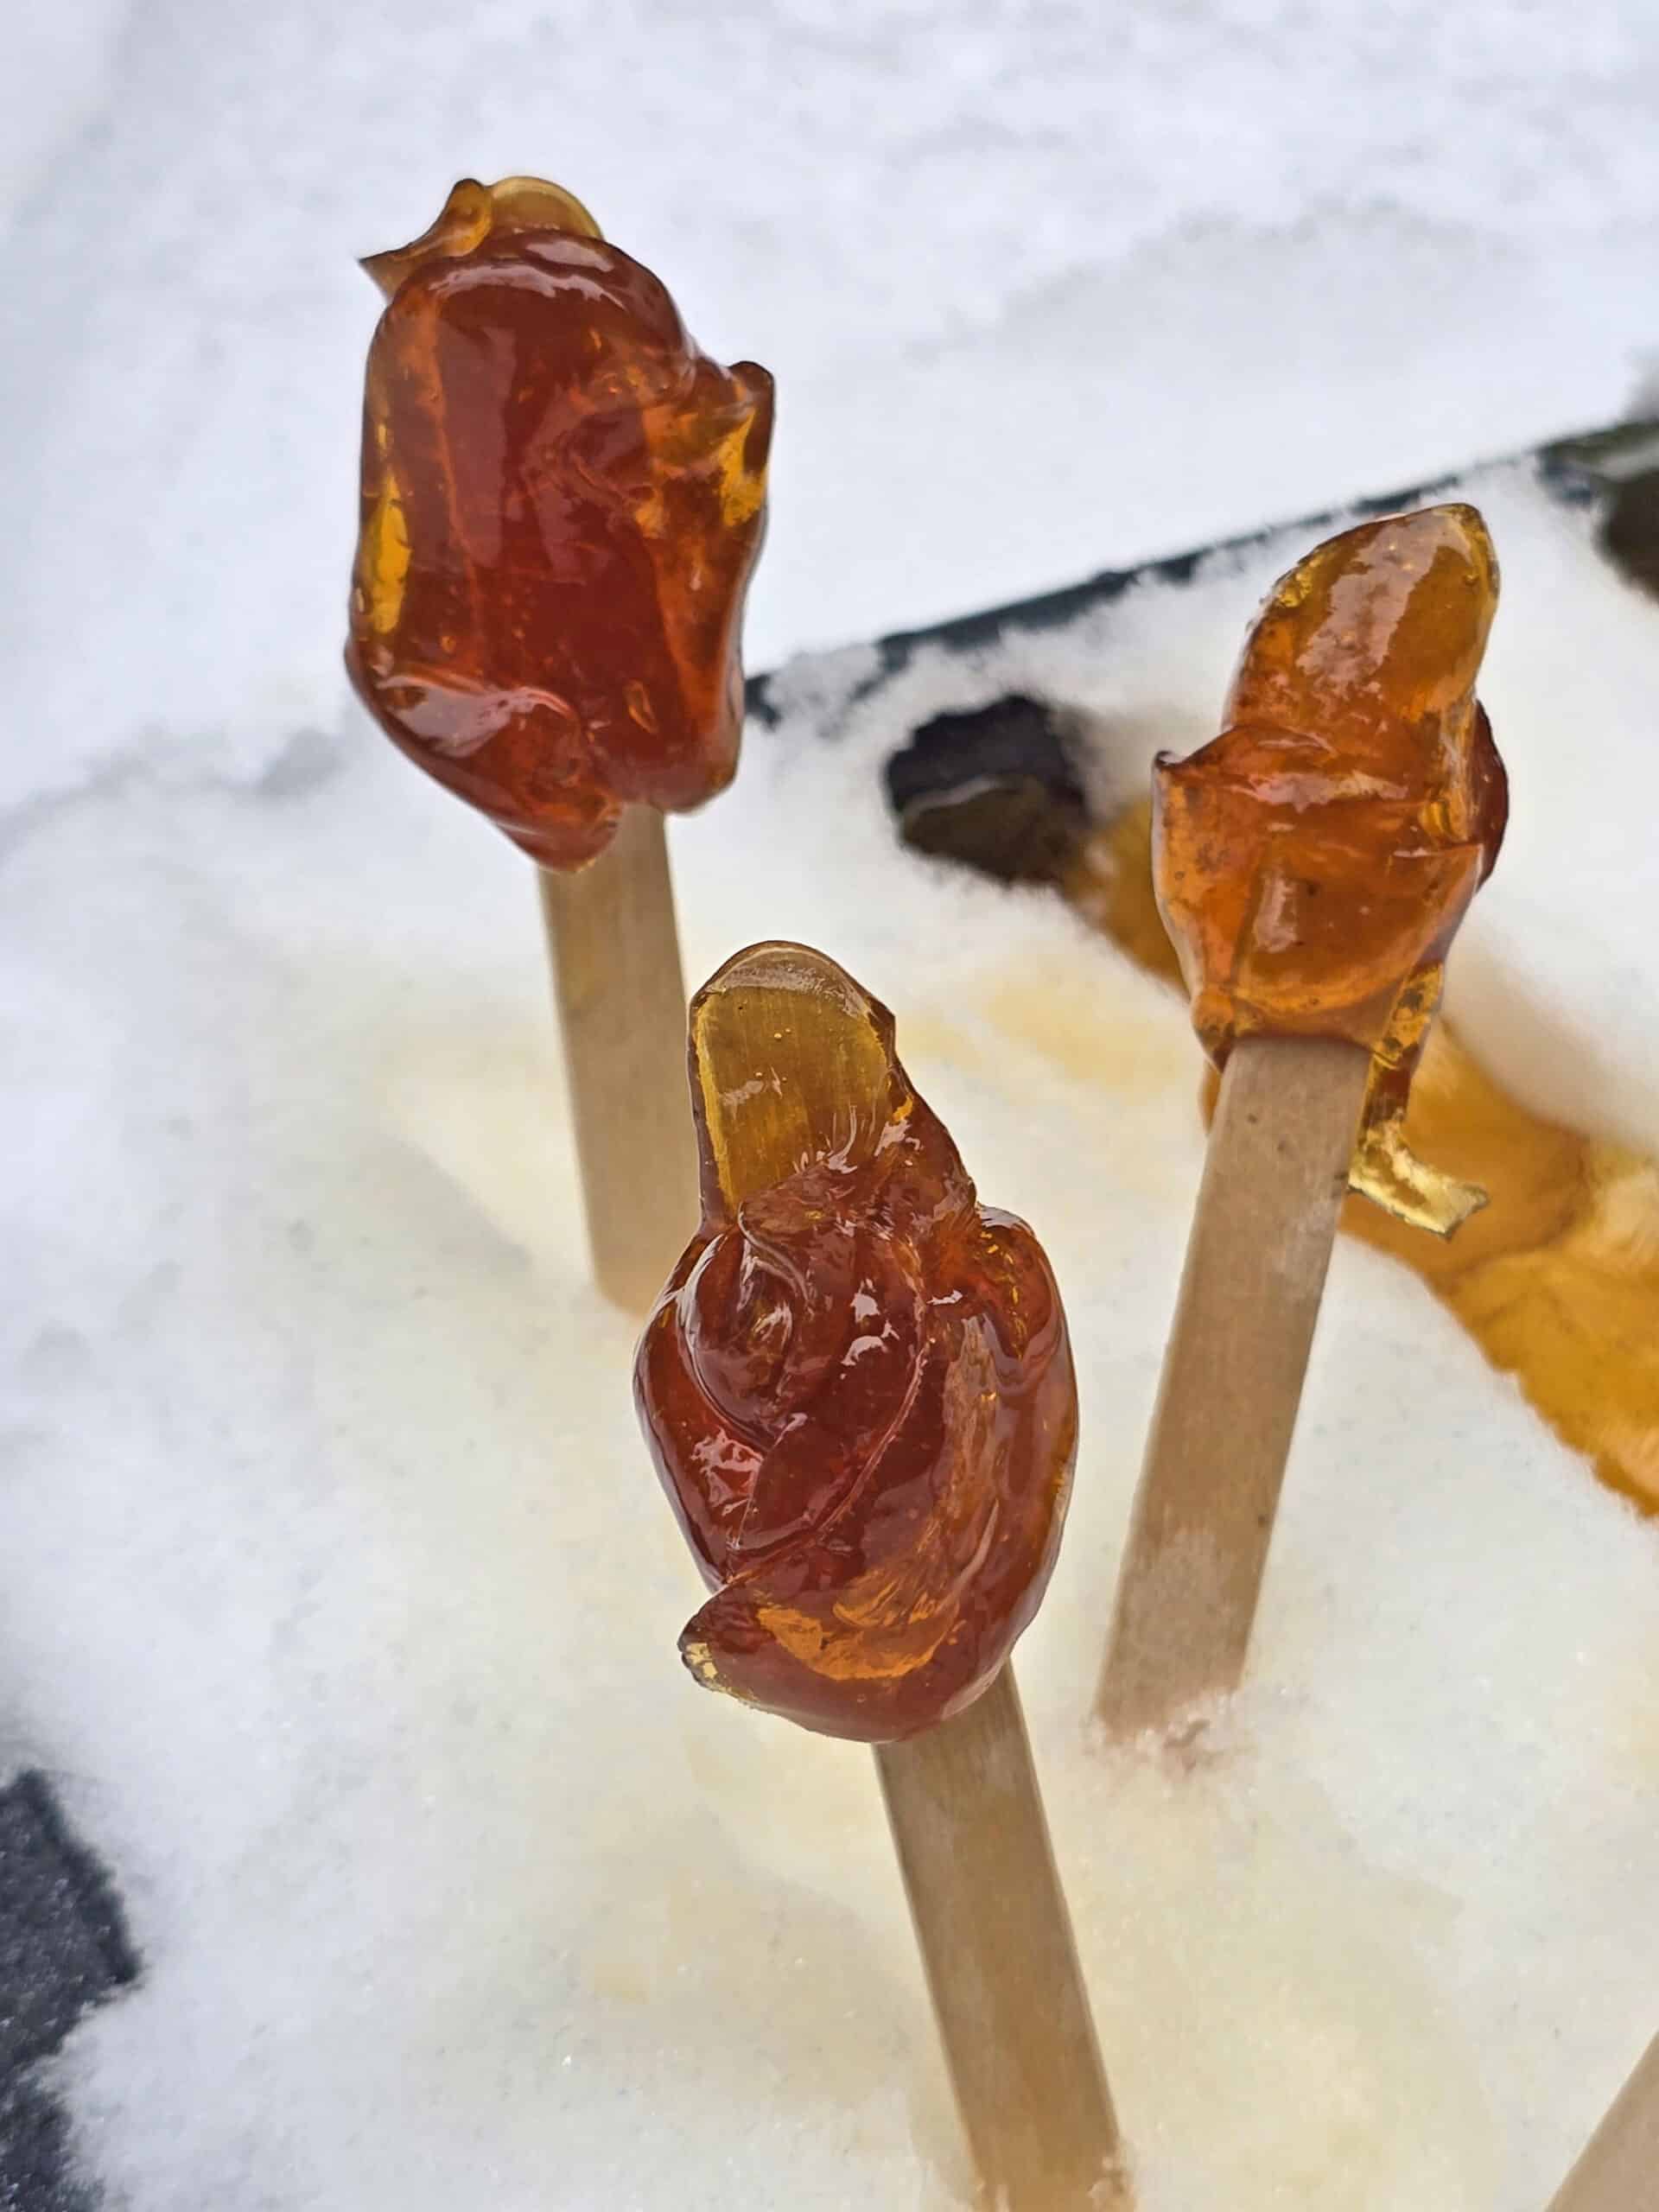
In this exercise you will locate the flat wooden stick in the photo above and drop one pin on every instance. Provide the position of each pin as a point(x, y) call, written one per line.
point(996, 1942)
point(621, 996)
point(1274, 1179)
point(1619, 2169)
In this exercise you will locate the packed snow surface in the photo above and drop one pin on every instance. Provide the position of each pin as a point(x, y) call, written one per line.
point(335, 1591)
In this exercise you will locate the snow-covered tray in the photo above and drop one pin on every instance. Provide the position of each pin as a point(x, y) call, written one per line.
point(341, 1604)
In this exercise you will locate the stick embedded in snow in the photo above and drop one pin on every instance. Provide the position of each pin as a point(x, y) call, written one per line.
point(1275, 1179)
point(1617, 2170)
point(1001, 1966)
point(621, 996)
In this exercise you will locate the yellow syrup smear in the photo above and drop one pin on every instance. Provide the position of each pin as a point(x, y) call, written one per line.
point(1556, 1279)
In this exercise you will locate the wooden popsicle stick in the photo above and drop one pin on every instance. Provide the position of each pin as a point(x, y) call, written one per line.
point(1274, 1181)
point(620, 994)
point(1001, 1966)
point(989, 1914)
point(1617, 2170)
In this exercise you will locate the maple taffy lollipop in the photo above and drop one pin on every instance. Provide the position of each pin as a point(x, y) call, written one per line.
point(562, 501)
point(858, 1390)
point(1312, 865)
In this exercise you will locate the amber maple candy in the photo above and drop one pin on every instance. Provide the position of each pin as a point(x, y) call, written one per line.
point(1314, 862)
point(857, 1386)
point(561, 501)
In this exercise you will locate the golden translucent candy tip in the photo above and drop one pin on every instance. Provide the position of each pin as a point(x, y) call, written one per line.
point(793, 1061)
point(1376, 634)
point(475, 211)
point(857, 1387)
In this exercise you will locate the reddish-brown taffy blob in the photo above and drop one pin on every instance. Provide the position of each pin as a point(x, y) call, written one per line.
point(857, 1386)
point(561, 501)
point(1314, 862)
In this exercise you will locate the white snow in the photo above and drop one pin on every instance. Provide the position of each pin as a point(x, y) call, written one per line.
point(337, 1592)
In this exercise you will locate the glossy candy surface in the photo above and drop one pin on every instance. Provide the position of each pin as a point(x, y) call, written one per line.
point(561, 501)
point(857, 1386)
point(1314, 862)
